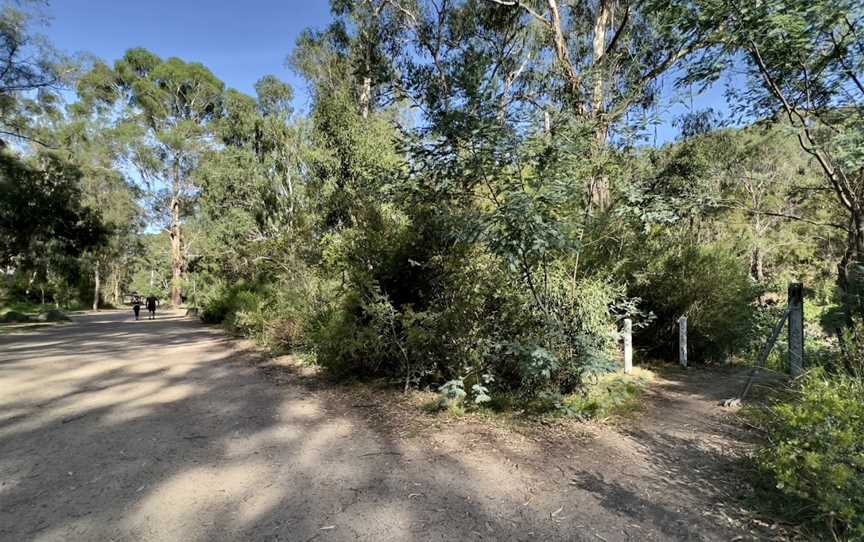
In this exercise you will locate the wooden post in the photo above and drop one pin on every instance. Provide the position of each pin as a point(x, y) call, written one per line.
point(796, 328)
point(682, 341)
point(628, 346)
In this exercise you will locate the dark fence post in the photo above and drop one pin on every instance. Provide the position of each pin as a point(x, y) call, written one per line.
point(796, 328)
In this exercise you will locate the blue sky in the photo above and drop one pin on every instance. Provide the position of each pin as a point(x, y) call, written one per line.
point(238, 41)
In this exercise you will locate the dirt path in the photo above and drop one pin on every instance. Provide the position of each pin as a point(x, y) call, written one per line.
point(119, 430)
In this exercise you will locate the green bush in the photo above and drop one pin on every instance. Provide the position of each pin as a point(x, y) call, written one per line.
point(613, 394)
point(579, 328)
point(852, 348)
point(466, 320)
point(707, 284)
point(411, 306)
point(275, 313)
point(238, 307)
point(815, 451)
point(217, 305)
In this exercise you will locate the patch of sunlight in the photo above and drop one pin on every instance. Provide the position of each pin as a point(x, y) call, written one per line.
point(274, 440)
point(32, 345)
point(301, 409)
point(321, 439)
point(204, 496)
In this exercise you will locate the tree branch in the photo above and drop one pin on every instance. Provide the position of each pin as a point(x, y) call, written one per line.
point(518, 3)
point(792, 113)
point(617, 35)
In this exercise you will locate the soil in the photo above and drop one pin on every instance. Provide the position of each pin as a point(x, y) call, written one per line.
point(115, 429)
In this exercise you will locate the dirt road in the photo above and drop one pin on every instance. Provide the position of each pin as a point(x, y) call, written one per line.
point(112, 429)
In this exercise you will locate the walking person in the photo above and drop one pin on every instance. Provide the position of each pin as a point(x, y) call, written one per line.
point(151, 306)
point(136, 305)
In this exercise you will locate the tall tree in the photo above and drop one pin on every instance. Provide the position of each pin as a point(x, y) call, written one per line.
point(805, 61)
point(589, 63)
point(252, 193)
point(168, 105)
point(32, 73)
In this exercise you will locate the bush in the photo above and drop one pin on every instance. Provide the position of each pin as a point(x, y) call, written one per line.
point(614, 394)
point(852, 348)
point(275, 315)
point(708, 285)
point(607, 395)
point(579, 328)
point(217, 305)
point(412, 307)
point(14, 317)
point(816, 449)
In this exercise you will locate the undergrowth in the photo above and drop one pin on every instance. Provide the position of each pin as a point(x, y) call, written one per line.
point(611, 395)
point(811, 468)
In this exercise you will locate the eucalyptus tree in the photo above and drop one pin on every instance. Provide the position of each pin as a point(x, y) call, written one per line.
point(805, 64)
point(105, 188)
point(359, 49)
point(32, 73)
point(166, 107)
point(569, 63)
point(253, 197)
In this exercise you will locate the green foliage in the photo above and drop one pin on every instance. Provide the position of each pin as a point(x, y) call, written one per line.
point(852, 348)
point(602, 396)
point(31, 73)
point(42, 210)
point(275, 314)
point(613, 394)
point(815, 450)
point(451, 394)
point(707, 284)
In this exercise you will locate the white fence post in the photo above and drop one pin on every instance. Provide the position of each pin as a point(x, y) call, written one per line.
point(682, 341)
point(628, 346)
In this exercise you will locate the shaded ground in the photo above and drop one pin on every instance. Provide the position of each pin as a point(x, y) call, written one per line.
point(163, 430)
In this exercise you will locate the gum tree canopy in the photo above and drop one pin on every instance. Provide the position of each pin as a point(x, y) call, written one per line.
point(805, 63)
point(167, 106)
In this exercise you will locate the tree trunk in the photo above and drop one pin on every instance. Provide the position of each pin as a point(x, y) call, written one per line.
point(599, 196)
point(176, 253)
point(96, 280)
point(851, 267)
point(601, 26)
point(563, 55)
point(115, 291)
point(365, 96)
point(757, 259)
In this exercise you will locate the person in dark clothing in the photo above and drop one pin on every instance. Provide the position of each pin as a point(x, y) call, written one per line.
point(151, 307)
point(136, 306)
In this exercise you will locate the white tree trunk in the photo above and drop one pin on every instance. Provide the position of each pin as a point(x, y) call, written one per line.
point(97, 281)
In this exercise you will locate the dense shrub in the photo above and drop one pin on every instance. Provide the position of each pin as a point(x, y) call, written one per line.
point(707, 284)
point(580, 327)
point(275, 313)
point(423, 310)
point(816, 449)
point(852, 348)
point(454, 327)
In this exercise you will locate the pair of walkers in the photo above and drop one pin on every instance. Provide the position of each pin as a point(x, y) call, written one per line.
point(152, 303)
